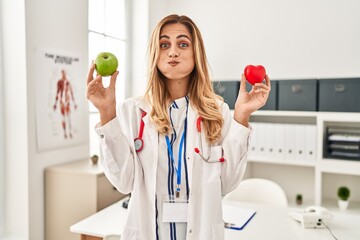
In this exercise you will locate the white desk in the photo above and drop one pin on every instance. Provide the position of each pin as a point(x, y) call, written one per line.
point(268, 223)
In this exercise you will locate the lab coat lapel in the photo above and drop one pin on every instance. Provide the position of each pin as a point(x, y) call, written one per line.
point(191, 136)
point(152, 133)
point(150, 137)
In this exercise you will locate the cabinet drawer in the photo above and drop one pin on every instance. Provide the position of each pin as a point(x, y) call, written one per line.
point(339, 95)
point(271, 103)
point(228, 90)
point(106, 193)
point(298, 95)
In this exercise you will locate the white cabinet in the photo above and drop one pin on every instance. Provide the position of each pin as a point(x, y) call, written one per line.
point(304, 169)
point(74, 191)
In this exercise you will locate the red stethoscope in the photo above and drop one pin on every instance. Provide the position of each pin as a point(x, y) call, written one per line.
point(197, 150)
point(139, 142)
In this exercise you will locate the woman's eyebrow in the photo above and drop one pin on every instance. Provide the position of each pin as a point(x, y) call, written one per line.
point(180, 36)
point(183, 35)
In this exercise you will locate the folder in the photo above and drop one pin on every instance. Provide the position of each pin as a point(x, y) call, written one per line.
point(310, 144)
point(269, 140)
point(299, 137)
point(261, 140)
point(253, 143)
point(289, 138)
point(236, 217)
point(279, 141)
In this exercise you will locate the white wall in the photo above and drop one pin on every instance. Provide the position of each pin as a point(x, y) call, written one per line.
point(16, 125)
point(55, 25)
point(48, 24)
point(139, 36)
point(291, 38)
point(2, 148)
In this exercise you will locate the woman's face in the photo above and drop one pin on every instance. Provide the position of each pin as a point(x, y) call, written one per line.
point(176, 60)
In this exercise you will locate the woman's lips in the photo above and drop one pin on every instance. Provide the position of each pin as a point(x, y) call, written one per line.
point(173, 63)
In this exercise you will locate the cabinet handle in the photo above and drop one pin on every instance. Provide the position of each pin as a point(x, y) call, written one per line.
point(296, 88)
point(339, 87)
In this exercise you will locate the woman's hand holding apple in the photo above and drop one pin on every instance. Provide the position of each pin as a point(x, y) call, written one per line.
point(102, 98)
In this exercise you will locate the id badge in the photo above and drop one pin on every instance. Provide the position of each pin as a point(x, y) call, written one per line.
point(175, 209)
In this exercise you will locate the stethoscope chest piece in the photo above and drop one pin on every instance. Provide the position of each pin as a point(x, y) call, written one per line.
point(139, 144)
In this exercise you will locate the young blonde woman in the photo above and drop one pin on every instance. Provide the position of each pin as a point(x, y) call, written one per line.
point(177, 149)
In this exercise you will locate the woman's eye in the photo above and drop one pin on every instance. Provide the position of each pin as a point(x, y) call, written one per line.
point(164, 45)
point(183, 45)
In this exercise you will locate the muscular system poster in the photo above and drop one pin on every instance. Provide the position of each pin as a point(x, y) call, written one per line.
point(60, 114)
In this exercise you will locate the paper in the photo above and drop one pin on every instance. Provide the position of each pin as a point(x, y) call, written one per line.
point(237, 218)
point(175, 212)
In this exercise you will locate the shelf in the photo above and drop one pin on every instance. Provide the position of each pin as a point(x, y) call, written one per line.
point(318, 179)
point(306, 203)
point(332, 205)
point(336, 116)
point(285, 113)
point(282, 162)
point(340, 166)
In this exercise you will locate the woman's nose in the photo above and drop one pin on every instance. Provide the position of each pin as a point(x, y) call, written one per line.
point(173, 53)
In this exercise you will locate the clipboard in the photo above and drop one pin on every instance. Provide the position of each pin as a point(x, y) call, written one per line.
point(237, 218)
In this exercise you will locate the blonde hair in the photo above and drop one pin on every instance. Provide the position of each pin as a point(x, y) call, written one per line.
point(200, 89)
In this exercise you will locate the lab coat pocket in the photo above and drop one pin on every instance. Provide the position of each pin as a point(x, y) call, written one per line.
point(212, 167)
point(130, 233)
point(216, 154)
point(217, 231)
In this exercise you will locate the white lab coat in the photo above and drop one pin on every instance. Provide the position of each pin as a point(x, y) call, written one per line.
point(135, 172)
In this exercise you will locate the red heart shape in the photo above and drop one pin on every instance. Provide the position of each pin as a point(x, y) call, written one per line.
point(254, 74)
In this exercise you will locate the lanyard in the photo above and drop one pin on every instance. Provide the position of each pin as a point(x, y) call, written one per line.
point(178, 168)
point(180, 154)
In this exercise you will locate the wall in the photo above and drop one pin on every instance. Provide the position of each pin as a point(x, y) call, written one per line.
point(2, 149)
point(138, 30)
point(292, 39)
point(26, 25)
point(16, 125)
point(49, 24)
point(55, 25)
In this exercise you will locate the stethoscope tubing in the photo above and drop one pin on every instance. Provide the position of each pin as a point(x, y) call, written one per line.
point(200, 151)
point(139, 142)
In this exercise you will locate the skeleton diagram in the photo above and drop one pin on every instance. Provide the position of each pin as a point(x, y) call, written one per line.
point(64, 94)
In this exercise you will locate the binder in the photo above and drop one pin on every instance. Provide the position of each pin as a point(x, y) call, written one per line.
point(279, 141)
point(267, 137)
point(299, 140)
point(310, 143)
point(289, 138)
point(253, 142)
point(261, 141)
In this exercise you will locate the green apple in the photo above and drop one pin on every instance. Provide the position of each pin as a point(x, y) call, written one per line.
point(106, 63)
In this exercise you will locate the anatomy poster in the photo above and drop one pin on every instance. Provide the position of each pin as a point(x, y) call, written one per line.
point(61, 119)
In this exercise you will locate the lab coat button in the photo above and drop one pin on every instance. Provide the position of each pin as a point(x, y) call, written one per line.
point(102, 135)
point(190, 231)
